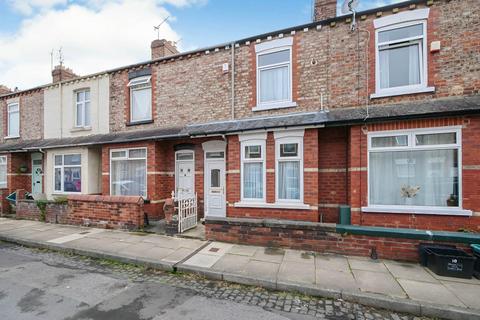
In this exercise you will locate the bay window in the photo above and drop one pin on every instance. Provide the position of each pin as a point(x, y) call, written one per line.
point(82, 108)
point(418, 169)
point(253, 170)
point(68, 173)
point(274, 74)
point(3, 172)
point(128, 176)
point(13, 121)
point(140, 99)
point(289, 166)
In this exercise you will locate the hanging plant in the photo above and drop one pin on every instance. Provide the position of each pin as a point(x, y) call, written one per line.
point(23, 168)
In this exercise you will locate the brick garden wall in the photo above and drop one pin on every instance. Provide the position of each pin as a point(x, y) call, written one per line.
point(310, 237)
point(88, 210)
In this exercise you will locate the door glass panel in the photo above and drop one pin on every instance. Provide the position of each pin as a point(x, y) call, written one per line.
point(215, 155)
point(215, 178)
point(185, 156)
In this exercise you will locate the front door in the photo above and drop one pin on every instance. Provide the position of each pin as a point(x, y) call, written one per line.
point(215, 188)
point(185, 174)
point(37, 173)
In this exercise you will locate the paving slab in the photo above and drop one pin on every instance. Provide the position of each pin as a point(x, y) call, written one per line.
point(269, 254)
point(158, 253)
point(469, 294)
point(332, 263)
point(409, 271)
point(431, 292)
point(216, 249)
point(367, 264)
point(292, 271)
point(299, 256)
point(243, 250)
point(231, 263)
point(378, 282)
point(178, 255)
point(331, 279)
point(136, 250)
point(202, 260)
point(262, 270)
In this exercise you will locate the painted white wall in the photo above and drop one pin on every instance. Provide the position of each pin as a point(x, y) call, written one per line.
point(59, 108)
point(91, 170)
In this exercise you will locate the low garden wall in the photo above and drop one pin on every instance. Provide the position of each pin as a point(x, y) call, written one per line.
point(112, 212)
point(310, 236)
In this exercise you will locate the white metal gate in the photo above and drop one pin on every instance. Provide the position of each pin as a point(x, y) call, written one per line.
point(187, 213)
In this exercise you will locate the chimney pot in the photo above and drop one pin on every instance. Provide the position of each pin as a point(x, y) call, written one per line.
point(4, 89)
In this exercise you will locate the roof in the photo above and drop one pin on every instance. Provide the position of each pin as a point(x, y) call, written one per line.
point(224, 45)
point(336, 117)
point(345, 116)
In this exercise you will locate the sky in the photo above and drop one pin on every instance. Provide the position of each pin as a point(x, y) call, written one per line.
point(97, 35)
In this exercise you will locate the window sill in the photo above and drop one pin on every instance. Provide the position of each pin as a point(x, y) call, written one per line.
point(447, 211)
point(137, 123)
point(77, 129)
point(399, 92)
point(274, 106)
point(277, 205)
point(11, 137)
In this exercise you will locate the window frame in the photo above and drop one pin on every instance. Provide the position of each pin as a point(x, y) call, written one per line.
point(268, 48)
point(138, 84)
point(412, 146)
point(285, 139)
point(423, 55)
point(262, 159)
point(4, 184)
point(62, 176)
point(82, 103)
point(127, 157)
point(10, 105)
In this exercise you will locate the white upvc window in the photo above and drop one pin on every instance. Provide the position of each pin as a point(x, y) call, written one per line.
point(415, 171)
point(82, 108)
point(289, 166)
point(13, 123)
point(128, 172)
point(3, 172)
point(67, 173)
point(253, 170)
point(274, 74)
point(140, 99)
point(401, 54)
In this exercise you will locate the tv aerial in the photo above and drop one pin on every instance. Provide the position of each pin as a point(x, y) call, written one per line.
point(350, 6)
point(157, 28)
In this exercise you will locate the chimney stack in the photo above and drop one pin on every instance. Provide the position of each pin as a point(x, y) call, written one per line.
point(60, 73)
point(163, 48)
point(4, 89)
point(324, 9)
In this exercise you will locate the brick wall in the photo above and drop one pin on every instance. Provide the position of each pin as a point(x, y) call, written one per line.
point(311, 237)
point(331, 63)
point(88, 210)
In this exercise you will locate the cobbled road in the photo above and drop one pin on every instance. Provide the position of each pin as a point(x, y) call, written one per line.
point(40, 284)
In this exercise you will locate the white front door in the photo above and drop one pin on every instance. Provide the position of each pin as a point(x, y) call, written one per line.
point(215, 203)
point(37, 173)
point(185, 174)
point(215, 189)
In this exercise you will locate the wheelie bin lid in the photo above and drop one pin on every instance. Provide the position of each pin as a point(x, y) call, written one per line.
point(476, 248)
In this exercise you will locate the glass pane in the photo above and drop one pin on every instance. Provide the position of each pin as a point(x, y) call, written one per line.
point(289, 150)
point(14, 124)
point(185, 156)
point(13, 107)
point(129, 178)
point(79, 115)
point(119, 154)
point(37, 162)
point(3, 176)
point(58, 160)
point(436, 138)
point(253, 152)
point(72, 159)
point(401, 33)
point(215, 155)
point(3, 160)
point(274, 84)
point(58, 179)
point(289, 180)
point(87, 114)
point(418, 178)
point(72, 179)
point(80, 96)
point(400, 66)
point(87, 95)
point(141, 104)
point(215, 178)
point(137, 153)
point(253, 180)
point(393, 141)
point(274, 58)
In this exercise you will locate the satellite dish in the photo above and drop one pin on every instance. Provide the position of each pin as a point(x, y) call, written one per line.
point(349, 6)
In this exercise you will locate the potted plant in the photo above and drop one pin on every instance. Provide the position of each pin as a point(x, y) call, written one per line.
point(452, 201)
point(409, 192)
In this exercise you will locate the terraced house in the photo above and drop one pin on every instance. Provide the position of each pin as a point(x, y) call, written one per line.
point(288, 125)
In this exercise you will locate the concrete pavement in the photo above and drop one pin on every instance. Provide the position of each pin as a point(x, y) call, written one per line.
point(402, 287)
